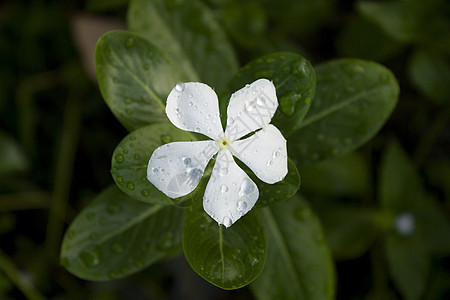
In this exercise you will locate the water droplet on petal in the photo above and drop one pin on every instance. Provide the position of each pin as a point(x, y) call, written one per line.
point(190, 103)
point(194, 176)
point(260, 101)
point(223, 188)
point(223, 171)
point(247, 186)
point(249, 105)
point(226, 221)
point(241, 206)
point(155, 170)
point(269, 163)
point(187, 161)
point(197, 129)
point(180, 86)
point(276, 154)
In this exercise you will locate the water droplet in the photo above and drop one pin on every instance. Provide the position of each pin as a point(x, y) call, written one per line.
point(145, 192)
point(91, 258)
point(226, 221)
point(276, 154)
point(195, 175)
point(197, 129)
point(166, 138)
point(223, 171)
point(114, 208)
point(242, 206)
point(208, 116)
point(187, 161)
point(269, 163)
point(137, 156)
point(155, 170)
point(119, 179)
point(130, 186)
point(247, 186)
point(179, 87)
point(117, 248)
point(166, 241)
point(223, 188)
point(260, 100)
point(253, 261)
point(230, 121)
point(130, 42)
point(249, 105)
point(353, 70)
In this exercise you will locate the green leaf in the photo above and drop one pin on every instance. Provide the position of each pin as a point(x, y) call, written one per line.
point(400, 186)
point(299, 264)
point(189, 34)
point(350, 231)
point(354, 98)
point(116, 236)
point(227, 257)
point(347, 175)
point(270, 194)
point(12, 156)
point(294, 80)
point(430, 72)
point(408, 264)
point(363, 39)
point(105, 5)
point(135, 78)
point(435, 226)
point(131, 156)
point(396, 18)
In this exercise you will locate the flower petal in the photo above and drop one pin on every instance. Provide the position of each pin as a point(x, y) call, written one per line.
point(264, 153)
point(251, 108)
point(176, 168)
point(230, 193)
point(193, 106)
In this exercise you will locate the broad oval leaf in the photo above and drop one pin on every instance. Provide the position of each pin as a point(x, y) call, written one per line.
point(294, 80)
point(270, 194)
point(116, 236)
point(354, 98)
point(131, 156)
point(299, 264)
point(135, 78)
point(227, 257)
point(190, 35)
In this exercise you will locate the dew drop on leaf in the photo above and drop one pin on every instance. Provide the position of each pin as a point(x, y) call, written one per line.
point(91, 258)
point(130, 42)
point(117, 248)
point(165, 138)
point(145, 192)
point(130, 186)
point(114, 208)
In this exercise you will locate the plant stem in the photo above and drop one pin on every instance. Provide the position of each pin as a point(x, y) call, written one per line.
point(63, 172)
point(14, 274)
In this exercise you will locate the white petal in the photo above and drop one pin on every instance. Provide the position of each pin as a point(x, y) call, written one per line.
point(193, 106)
point(251, 108)
point(264, 153)
point(230, 193)
point(176, 168)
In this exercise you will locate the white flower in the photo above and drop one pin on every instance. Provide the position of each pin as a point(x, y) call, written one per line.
point(176, 168)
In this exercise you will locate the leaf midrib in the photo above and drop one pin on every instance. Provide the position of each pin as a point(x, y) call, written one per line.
point(131, 223)
point(140, 82)
point(283, 249)
point(332, 109)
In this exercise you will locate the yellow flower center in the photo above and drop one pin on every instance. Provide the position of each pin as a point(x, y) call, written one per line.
point(224, 143)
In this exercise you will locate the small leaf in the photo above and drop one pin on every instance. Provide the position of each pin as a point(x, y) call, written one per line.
point(189, 34)
point(131, 156)
point(294, 80)
point(350, 231)
point(270, 194)
point(408, 264)
point(299, 264)
point(116, 236)
point(354, 98)
point(227, 257)
point(430, 72)
point(12, 156)
point(135, 78)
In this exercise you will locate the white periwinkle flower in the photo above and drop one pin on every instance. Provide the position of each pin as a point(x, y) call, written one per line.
point(176, 168)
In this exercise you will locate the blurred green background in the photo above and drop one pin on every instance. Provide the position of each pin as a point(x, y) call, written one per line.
point(57, 136)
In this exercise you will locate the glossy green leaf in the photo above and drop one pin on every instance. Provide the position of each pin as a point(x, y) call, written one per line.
point(135, 78)
point(299, 264)
point(294, 80)
point(189, 34)
point(430, 72)
point(227, 257)
point(131, 156)
point(12, 156)
point(270, 194)
point(116, 236)
point(396, 18)
point(354, 98)
point(408, 264)
point(347, 175)
point(350, 231)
